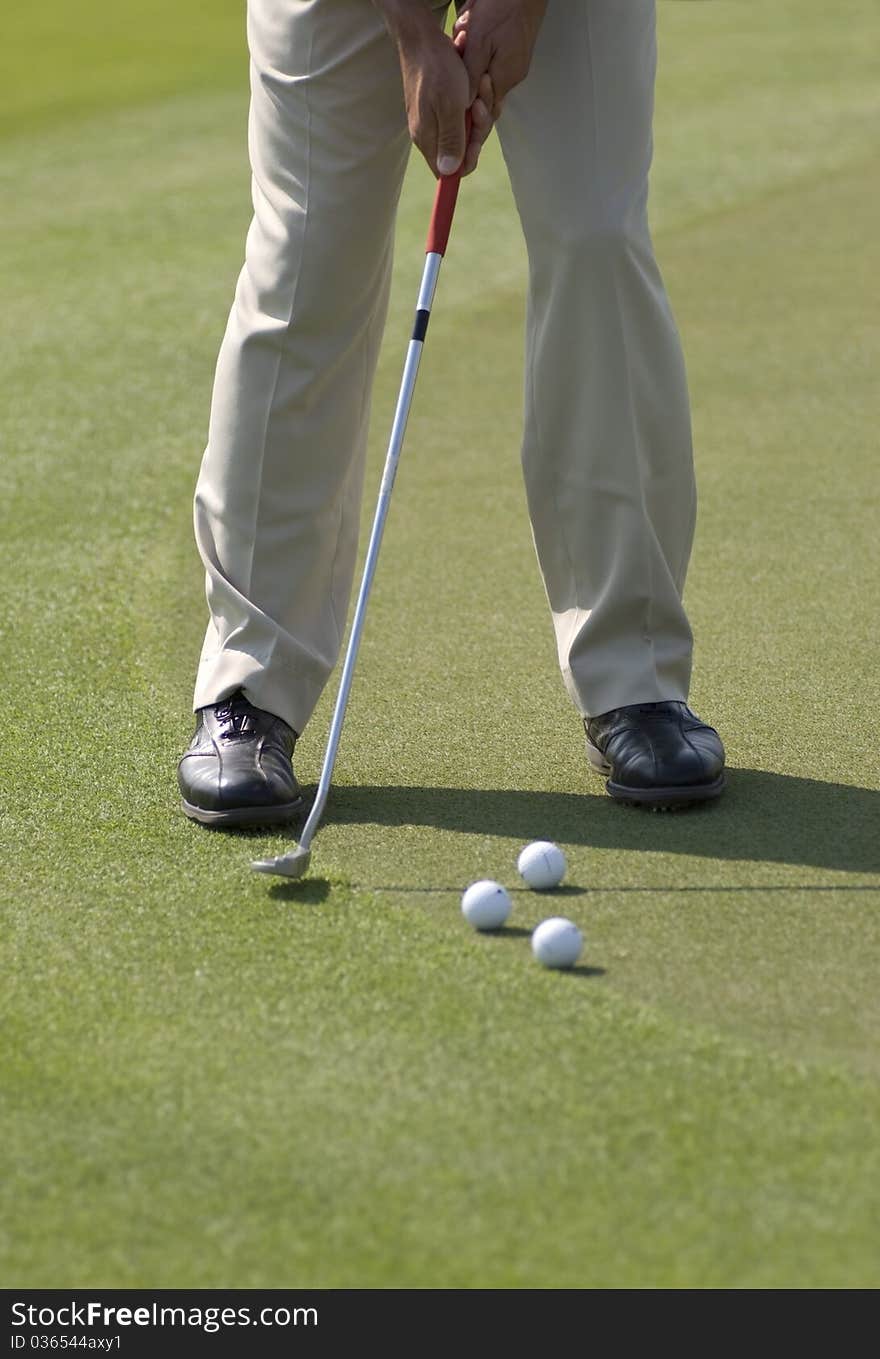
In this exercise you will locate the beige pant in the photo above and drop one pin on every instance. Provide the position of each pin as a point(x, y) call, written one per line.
point(607, 448)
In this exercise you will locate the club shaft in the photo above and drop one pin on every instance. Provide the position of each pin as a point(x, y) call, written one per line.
point(430, 274)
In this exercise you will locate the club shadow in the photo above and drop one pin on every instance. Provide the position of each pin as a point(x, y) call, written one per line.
point(763, 817)
point(303, 891)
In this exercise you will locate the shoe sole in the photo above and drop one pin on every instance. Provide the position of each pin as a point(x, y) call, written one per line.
point(660, 799)
point(244, 816)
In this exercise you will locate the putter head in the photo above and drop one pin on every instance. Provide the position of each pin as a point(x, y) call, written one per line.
point(292, 865)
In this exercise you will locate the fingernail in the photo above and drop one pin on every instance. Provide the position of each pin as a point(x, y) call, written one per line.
point(447, 165)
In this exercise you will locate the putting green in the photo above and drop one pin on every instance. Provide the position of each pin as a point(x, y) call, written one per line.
point(213, 1080)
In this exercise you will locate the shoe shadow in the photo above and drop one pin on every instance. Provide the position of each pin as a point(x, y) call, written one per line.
point(762, 817)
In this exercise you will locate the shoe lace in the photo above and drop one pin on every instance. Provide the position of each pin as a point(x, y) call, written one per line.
point(233, 718)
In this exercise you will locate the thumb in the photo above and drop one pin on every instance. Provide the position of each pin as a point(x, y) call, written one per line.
point(450, 144)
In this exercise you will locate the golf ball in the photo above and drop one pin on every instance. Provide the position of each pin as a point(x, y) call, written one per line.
point(485, 905)
point(542, 865)
point(557, 942)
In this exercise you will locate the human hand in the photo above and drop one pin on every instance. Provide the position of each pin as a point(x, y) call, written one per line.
point(437, 89)
point(498, 38)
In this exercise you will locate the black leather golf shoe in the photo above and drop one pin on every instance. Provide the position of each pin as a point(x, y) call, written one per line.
point(237, 770)
point(657, 755)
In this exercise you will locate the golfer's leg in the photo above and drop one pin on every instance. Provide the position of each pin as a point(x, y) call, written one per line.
point(607, 449)
point(278, 496)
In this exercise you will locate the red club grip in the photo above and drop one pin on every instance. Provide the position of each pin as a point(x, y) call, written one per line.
point(444, 204)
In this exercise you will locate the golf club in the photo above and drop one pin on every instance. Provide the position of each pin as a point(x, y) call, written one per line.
point(295, 863)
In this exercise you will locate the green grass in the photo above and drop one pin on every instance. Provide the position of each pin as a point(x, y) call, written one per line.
point(214, 1081)
point(61, 61)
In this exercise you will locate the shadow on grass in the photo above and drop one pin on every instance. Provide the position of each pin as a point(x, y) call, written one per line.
point(304, 891)
point(762, 817)
point(521, 932)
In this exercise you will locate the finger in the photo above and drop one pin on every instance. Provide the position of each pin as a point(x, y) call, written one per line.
point(480, 115)
point(476, 55)
point(481, 129)
point(462, 18)
point(493, 100)
point(505, 74)
point(487, 94)
point(426, 142)
point(450, 142)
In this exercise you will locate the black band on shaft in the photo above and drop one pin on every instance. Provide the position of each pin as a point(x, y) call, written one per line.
point(420, 329)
